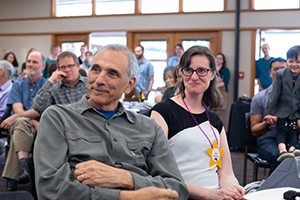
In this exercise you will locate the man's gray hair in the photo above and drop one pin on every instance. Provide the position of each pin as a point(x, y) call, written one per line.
point(132, 61)
point(7, 67)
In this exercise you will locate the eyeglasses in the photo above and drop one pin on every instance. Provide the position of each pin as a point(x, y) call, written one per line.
point(201, 72)
point(65, 67)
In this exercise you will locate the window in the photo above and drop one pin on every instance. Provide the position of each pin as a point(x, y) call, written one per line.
point(275, 4)
point(106, 7)
point(189, 43)
point(159, 6)
point(203, 5)
point(66, 8)
point(98, 40)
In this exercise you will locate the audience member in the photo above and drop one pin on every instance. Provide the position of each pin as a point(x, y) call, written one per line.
point(81, 58)
point(87, 63)
point(23, 123)
point(264, 130)
point(6, 71)
point(262, 69)
point(23, 69)
point(223, 77)
point(55, 51)
point(169, 79)
point(174, 60)
point(172, 91)
point(64, 86)
point(145, 72)
point(283, 104)
point(99, 150)
point(52, 68)
point(191, 128)
point(11, 57)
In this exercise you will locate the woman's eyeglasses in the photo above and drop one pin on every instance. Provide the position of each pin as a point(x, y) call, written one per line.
point(201, 72)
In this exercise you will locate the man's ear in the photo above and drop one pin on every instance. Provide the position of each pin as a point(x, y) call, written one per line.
point(130, 85)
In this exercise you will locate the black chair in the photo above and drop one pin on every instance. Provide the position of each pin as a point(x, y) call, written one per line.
point(17, 195)
point(250, 152)
point(5, 134)
point(30, 168)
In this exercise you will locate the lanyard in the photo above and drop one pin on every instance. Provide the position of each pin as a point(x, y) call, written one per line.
point(198, 124)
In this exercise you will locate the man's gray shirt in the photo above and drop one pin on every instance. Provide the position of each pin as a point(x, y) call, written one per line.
point(75, 133)
point(259, 107)
point(59, 93)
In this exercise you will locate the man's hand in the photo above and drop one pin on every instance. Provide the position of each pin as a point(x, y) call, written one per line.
point(35, 124)
point(149, 193)
point(8, 122)
point(57, 76)
point(270, 119)
point(93, 173)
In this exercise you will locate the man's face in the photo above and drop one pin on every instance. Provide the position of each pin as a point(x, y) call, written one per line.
point(34, 64)
point(107, 79)
point(276, 66)
point(88, 57)
point(67, 65)
point(265, 49)
point(138, 52)
point(294, 65)
point(82, 50)
point(56, 51)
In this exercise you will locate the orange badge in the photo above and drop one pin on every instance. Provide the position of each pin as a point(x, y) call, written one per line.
point(215, 155)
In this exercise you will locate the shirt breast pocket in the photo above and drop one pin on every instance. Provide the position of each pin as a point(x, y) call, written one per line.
point(139, 151)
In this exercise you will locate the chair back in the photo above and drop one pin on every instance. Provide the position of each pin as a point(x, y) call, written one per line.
point(250, 139)
point(30, 167)
point(17, 195)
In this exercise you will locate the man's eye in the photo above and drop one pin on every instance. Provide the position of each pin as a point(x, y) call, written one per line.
point(112, 73)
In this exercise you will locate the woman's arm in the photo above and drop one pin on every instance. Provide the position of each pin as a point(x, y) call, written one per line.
point(227, 178)
point(161, 121)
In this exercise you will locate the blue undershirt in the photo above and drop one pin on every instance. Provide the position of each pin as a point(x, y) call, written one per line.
point(108, 113)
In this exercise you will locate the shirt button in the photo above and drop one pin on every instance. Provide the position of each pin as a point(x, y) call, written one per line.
point(115, 139)
point(30, 89)
point(108, 123)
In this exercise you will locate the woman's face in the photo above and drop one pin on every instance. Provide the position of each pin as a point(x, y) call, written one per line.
point(169, 78)
point(194, 84)
point(10, 58)
point(219, 60)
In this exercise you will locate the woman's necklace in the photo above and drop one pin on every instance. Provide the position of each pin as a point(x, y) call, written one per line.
point(214, 152)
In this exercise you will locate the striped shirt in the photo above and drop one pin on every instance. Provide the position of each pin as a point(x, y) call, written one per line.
point(59, 93)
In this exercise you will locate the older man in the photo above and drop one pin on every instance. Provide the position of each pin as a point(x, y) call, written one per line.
point(6, 71)
point(97, 149)
point(23, 122)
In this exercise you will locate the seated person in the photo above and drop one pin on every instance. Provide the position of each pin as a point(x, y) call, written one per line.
point(172, 91)
point(6, 71)
point(170, 79)
point(262, 128)
point(52, 68)
point(99, 150)
point(197, 136)
point(87, 62)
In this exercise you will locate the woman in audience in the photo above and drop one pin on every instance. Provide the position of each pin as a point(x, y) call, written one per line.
point(174, 60)
point(172, 91)
point(222, 82)
point(170, 79)
point(10, 57)
point(197, 136)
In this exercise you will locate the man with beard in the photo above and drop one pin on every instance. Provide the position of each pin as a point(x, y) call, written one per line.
point(144, 73)
point(23, 123)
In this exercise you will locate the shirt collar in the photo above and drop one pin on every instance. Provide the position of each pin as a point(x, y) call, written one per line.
point(6, 85)
point(38, 82)
point(84, 105)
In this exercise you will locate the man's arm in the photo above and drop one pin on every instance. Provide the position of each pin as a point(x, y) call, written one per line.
point(18, 112)
point(52, 168)
point(43, 98)
point(258, 127)
point(150, 85)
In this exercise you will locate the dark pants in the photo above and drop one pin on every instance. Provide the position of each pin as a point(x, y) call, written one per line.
point(287, 132)
point(267, 149)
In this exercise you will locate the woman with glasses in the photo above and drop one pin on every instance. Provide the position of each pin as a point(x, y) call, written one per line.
point(222, 82)
point(197, 136)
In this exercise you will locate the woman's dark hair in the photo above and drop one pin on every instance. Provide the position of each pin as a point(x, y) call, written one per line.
point(212, 96)
point(15, 62)
point(51, 68)
point(224, 60)
point(168, 69)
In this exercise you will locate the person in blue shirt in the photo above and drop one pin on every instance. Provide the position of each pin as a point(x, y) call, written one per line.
point(23, 122)
point(174, 60)
point(262, 69)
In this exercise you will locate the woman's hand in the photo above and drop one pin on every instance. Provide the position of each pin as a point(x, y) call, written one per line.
point(233, 193)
